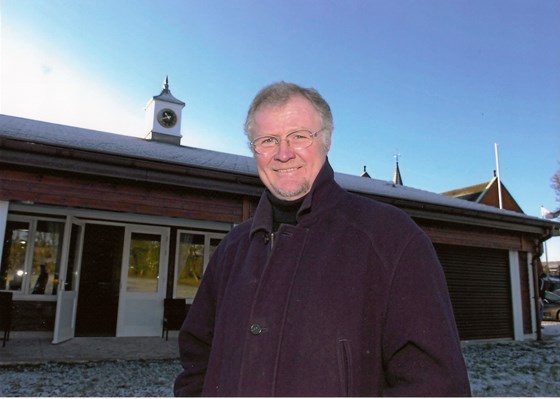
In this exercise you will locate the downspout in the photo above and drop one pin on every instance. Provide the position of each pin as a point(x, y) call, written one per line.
point(536, 265)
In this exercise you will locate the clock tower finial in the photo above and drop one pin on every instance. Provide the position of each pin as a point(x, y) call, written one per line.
point(163, 116)
point(166, 84)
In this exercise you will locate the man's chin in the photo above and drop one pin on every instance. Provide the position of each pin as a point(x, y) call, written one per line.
point(290, 194)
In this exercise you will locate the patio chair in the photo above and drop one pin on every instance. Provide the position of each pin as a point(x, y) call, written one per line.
point(6, 307)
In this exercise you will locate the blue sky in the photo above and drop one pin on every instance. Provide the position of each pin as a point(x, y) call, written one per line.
point(438, 82)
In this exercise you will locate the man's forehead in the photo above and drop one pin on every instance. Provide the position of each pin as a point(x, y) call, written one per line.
point(296, 105)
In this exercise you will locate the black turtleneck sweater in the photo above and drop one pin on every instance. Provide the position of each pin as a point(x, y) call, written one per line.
point(283, 212)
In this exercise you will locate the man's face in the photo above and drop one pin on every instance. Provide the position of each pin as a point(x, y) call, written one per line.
point(287, 173)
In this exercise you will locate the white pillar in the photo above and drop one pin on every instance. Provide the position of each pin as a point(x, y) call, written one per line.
point(516, 302)
point(532, 294)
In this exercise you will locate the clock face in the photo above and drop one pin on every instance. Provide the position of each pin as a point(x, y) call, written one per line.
point(167, 117)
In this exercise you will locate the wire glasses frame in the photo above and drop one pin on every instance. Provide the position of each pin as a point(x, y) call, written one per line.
point(297, 140)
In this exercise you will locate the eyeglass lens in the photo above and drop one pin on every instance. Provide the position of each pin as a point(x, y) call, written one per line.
point(297, 140)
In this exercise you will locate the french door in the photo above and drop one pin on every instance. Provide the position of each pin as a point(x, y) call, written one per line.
point(69, 279)
point(143, 281)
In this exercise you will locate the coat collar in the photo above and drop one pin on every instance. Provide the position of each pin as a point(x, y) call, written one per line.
point(315, 202)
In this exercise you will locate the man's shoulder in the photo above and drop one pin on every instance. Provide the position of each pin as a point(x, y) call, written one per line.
point(368, 208)
point(375, 217)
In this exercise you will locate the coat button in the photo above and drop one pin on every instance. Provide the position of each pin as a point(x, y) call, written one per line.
point(256, 329)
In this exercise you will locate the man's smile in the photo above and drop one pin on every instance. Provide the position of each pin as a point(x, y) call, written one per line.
point(287, 170)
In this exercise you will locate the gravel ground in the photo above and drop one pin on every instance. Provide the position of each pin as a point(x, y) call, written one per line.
point(495, 369)
point(514, 368)
point(133, 378)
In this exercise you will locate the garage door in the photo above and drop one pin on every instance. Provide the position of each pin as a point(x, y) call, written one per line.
point(480, 290)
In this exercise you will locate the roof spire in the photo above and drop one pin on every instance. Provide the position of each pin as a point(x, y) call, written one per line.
point(365, 174)
point(166, 95)
point(397, 178)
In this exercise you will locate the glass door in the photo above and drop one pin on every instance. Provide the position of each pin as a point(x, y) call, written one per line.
point(143, 281)
point(68, 281)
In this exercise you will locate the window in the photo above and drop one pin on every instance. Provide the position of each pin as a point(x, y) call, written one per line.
point(14, 254)
point(143, 268)
point(31, 256)
point(194, 250)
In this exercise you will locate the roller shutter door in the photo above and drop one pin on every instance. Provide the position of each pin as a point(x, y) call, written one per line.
point(480, 290)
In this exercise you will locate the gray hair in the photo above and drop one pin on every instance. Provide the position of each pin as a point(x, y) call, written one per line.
point(278, 94)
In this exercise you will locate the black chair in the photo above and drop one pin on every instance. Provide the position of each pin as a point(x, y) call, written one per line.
point(174, 313)
point(6, 307)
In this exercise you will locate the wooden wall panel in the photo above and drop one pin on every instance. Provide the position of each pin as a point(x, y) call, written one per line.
point(120, 196)
point(472, 237)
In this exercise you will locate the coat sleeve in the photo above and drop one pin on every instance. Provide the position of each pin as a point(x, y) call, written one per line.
point(421, 348)
point(195, 339)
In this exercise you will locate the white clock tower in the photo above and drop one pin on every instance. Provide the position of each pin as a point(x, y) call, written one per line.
point(163, 117)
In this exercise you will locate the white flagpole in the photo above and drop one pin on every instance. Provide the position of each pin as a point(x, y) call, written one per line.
point(544, 242)
point(498, 176)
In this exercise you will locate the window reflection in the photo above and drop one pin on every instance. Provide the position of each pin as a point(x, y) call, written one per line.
point(46, 258)
point(143, 267)
point(194, 252)
point(191, 262)
point(73, 257)
point(13, 259)
point(31, 256)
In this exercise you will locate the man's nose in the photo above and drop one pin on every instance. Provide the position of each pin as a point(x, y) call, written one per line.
point(284, 151)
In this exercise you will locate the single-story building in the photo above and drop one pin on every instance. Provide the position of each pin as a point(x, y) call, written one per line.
point(100, 229)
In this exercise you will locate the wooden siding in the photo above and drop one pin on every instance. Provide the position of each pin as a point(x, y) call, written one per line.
point(480, 291)
point(65, 189)
point(472, 236)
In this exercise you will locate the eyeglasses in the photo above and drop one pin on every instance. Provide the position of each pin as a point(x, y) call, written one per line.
point(298, 140)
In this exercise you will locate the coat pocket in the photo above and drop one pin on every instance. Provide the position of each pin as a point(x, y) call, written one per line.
point(344, 355)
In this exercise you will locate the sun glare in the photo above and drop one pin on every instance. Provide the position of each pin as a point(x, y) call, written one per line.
point(49, 86)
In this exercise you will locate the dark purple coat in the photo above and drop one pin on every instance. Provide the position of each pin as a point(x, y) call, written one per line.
point(351, 301)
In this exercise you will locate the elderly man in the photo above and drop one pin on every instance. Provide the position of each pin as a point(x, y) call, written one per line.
point(322, 292)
